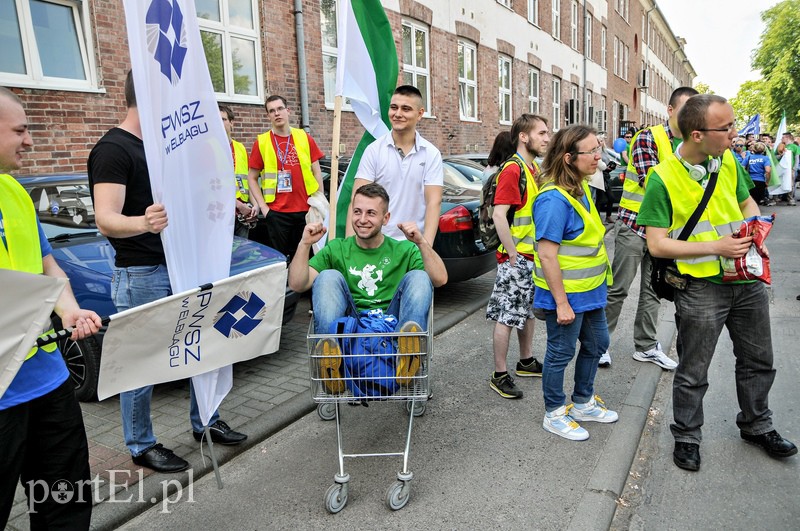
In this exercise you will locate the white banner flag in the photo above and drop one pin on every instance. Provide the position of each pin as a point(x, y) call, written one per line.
point(188, 154)
point(22, 321)
point(194, 332)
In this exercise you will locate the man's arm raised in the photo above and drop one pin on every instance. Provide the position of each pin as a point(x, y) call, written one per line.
point(433, 263)
point(301, 276)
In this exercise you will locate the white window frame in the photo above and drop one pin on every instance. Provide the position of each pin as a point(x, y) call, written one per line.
point(34, 76)
point(533, 12)
point(603, 109)
point(587, 104)
point(556, 125)
point(464, 46)
point(587, 36)
point(505, 114)
point(603, 46)
point(556, 19)
point(615, 117)
point(228, 32)
point(533, 91)
point(616, 55)
point(505, 3)
point(412, 68)
point(625, 52)
point(573, 25)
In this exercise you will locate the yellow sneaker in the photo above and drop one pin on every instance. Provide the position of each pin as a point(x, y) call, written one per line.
point(330, 364)
point(408, 366)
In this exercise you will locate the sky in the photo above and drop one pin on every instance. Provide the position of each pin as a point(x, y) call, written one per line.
point(720, 38)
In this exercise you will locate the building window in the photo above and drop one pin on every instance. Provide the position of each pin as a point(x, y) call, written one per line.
point(506, 3)
point(603, 50)
point(624, 59)
point(588, 106)
point(602, 119)
point(46, 45)
point(415, 60)
point(587, 36)
point(573, 25)
point(467, 81)
point(615, 119)
point(533, 91)
point(504, 82)
point(556, 125)
point(556, 19)
point(616, 56)
point(533, 12)
point(229, 32)
point(330, 48)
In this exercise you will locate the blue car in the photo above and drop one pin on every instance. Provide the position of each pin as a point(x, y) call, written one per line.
point(64, 206)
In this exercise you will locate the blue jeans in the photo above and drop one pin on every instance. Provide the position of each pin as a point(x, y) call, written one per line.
point(332, 299)
point(591, 330)
point(131, 287)
point(700, 313)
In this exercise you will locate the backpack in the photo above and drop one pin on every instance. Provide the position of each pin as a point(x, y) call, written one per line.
point(373, 374)
point(486, 228)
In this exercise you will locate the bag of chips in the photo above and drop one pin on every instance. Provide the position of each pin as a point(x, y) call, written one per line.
point(755, 264)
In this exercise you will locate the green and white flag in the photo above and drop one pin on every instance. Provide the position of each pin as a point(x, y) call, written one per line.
point(782, 178)
point(366, 75)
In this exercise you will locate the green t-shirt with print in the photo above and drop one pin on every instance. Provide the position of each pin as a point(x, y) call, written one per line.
point(656, 209)
point(372, 275)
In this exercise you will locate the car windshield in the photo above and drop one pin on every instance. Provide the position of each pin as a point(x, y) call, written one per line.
point(63, 207)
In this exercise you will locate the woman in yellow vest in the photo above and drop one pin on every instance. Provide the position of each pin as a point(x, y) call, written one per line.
point(571, 274)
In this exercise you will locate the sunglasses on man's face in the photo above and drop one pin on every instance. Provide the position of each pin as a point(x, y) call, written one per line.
point(627, 137)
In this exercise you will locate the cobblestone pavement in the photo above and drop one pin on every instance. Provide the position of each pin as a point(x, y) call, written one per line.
point(268, 393)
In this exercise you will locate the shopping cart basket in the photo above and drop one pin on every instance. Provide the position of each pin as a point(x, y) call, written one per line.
point(396, 369)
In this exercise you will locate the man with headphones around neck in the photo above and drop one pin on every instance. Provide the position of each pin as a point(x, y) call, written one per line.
point(675, 188)
point(648, 147)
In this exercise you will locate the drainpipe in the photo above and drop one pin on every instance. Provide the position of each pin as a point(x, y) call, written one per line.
point(301, 63)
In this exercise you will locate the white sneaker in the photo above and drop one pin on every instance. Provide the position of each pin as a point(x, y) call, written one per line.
point(561, 424)
point(593, 411)
point(605, 360)
point(657, 356)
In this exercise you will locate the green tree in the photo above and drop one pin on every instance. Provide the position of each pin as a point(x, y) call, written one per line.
point(703, 88)
point(778, 58)
point(212, 46)
point(749, 101)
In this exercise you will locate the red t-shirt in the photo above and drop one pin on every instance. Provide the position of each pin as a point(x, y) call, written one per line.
point(297, 199)
point(507, 193)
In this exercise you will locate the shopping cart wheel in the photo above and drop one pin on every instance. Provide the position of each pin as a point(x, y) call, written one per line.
point(336, 497)
point(397, 495)
point(419, 408)
point(326, 410)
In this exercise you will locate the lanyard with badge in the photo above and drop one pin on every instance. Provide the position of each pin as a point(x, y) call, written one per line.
point(284, 175)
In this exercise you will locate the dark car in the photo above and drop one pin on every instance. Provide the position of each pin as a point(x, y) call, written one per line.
point(457, 241)
point(66, 213)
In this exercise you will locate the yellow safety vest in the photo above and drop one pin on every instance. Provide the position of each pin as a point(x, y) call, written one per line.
point(269, 175)
point(632, 192)
point(240, 170)
point(22, 251)
point(721, 217)
point(522, 223)
point(584, 261)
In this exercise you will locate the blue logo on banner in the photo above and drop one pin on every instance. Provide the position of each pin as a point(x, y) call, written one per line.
point(243, 313)
point(166, 37)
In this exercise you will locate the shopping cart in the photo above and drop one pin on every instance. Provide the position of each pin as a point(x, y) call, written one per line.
point(395, 370)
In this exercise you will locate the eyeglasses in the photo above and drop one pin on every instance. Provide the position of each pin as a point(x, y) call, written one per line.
point(726, 129)
point(595, 151)
point(738, 145)
point(628, 137)
point(276, 110)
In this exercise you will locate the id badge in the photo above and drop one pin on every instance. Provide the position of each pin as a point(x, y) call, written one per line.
point(284, 182)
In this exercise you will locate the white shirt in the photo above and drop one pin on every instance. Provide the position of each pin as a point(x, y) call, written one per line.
point(404, 178)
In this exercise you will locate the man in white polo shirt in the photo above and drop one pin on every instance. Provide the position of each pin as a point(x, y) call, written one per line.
point(407, 166)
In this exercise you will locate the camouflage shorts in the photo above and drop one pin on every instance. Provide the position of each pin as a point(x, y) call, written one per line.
point(511, 302)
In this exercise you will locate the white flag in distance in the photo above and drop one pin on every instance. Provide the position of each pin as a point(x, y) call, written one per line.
point(194, 332)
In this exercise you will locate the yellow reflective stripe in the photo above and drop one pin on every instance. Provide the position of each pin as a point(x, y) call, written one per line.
point(524, 220)
point(570, 250)
point(577, 274)
point(701, 227)
point(527, 240)
point(700, 259)
point(632, 195)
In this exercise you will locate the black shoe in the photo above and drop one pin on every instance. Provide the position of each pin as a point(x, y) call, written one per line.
point(505, 386)
point(160, 459)
point(774, 444)
point(221, 433)
point(687, 456)
point(532, 368)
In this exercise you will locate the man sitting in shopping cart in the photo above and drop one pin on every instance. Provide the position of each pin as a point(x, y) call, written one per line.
point(369, 270)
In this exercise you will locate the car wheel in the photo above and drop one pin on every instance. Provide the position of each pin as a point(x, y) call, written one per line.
point(83, 362)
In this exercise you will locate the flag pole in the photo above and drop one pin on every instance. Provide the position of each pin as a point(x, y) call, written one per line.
point(334, 182)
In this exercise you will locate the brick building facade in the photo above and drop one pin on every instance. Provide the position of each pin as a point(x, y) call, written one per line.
point(554, 56)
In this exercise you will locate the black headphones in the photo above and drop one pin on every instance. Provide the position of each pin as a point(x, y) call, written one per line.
point(697, 171)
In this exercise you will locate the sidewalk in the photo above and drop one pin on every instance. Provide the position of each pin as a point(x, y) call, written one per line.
point(268, 394)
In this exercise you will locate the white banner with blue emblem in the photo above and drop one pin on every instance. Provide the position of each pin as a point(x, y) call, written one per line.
point(194, 332)
point(188, 156)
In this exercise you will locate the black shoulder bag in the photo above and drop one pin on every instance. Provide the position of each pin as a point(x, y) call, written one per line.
point(665, 277)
